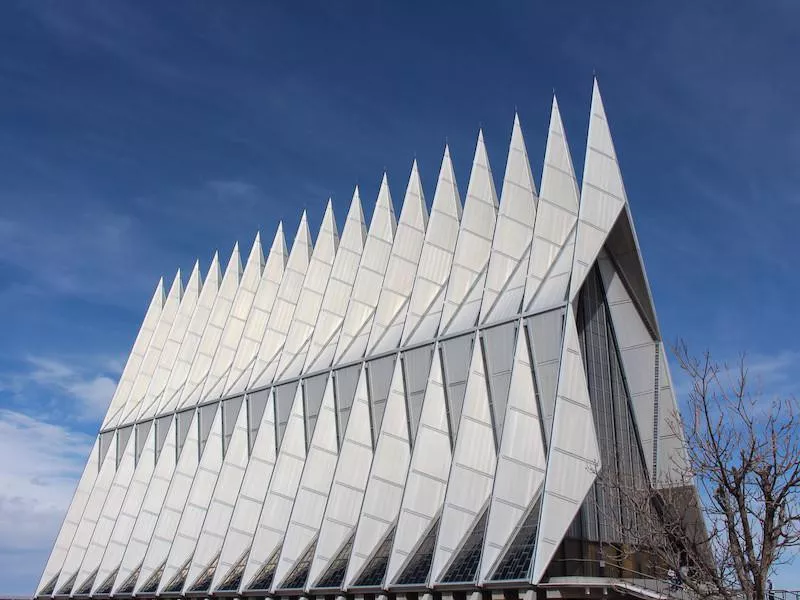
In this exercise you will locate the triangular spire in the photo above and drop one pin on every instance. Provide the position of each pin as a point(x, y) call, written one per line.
point(465, 289)
point(343, 275)
point(209, 341)
point(194, 284)
point(433, 272)
point(229, 322)
point(473, 467)
point(505, 281)
point(347, 489)
point(398, 283)
point(427, 476)
point(150, 362)
point(293, 357)
point(550, 262)
point(573, 455)
point(369, 279)
point(384, 491)
point(521, 461)
point(603, 195)
point(257, 317)
point(263, 369)
point(135, 358)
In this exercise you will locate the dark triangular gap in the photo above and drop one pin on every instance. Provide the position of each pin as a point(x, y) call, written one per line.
point(129, 584)
point(334, 575)
point(107, 585)
point(151, 584)
point(182, 425)
point(175, 585)
point(418, 568)
point(162, 429)
point(142, 431)
point(284, 398)
point(379, 381)
point(230, 413)
point(256, 405)
point(516, 561)
point(233, 579)
point(50, 586)
point(545, 333)
point(106, 439)
point(630, 453)
point(464, 567)
point(603, 516)
point(313, 392)
point(86, 586)
point(623, 248)
point(345, 385)
point(456, 354)
point(263, 578)
point(372, 575)
point(205, 421)
point(65, 589)
point(123, 436)
point(498, 352)
point(416, 365)
point(296, 579)
point(203, 582)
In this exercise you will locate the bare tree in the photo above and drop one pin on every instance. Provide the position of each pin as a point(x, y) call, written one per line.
point(725, 534)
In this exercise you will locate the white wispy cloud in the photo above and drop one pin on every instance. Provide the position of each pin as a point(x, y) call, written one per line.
point(42, 463)
point(79, 389)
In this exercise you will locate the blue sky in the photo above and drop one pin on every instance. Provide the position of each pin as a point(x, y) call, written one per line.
point(136, 137)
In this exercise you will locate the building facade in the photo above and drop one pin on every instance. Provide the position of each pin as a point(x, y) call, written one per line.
point(420, 405)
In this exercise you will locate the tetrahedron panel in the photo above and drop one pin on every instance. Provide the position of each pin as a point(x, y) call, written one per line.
point(573, 457)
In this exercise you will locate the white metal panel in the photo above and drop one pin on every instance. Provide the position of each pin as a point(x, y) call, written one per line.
point(423, 497)
point(208, 540)
point(135, 357)
point(277, 506)
point(369, 280)
point(602, 196)
point(209, 342)
point(550, 262)
point(153, 355)
point(672, 462)
point(315, 486)
point(293, 357)
point(398, 283)
point(638, 351)
point(110, 512)
point(545, 333)
point(174, 501)
point(280, 318)
point(520, 464)
point(152, 501)
point(469, 485)
point(129, 511)
point(349, 483)
point(237, 317)
point(386, 481)
point(574, 455)
point(73, 517)
point(91, 514)
point(256, 322)
point(508, 264)
point(148, 407)
point(340, 287)
point(179, 371)
point(194, 511)
point(245, 514)
point(436, 260)
point(468, 276)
